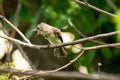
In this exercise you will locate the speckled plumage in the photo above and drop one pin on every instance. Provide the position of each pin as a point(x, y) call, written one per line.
point(53, 35)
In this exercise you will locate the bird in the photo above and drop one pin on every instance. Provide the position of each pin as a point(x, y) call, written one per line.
point(53, 35)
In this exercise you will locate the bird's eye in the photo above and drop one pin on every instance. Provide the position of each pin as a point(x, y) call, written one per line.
point(37, 28)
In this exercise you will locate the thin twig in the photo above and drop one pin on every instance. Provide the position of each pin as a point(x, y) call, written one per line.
point(44, 46)
point(25, 56)
point(14, 27)
point(80, 33)
point(66, 74)
point(66, 65)
point(74, 42)
point(62, 44)
point(16, 17)
point(102, 46)
point(84, 36)
point(112, 4)
point(1, 8)
point(74, 27)
point(85, 1)
point(95, 8)
point(17, 12)
point(75, 59)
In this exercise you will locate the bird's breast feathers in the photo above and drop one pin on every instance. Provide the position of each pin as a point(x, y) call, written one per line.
point(53, 40)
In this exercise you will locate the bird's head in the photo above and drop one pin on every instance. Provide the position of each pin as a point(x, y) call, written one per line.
point(38, 29)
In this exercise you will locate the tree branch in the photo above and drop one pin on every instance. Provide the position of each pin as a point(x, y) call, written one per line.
point(14, 27)
point(66, 65)
point(81, 34)
point(112, 4)
point(102, 46)
point(16, 17)
point(95, 8)
point(62, 44)
point(70, 43)
point(65, 74)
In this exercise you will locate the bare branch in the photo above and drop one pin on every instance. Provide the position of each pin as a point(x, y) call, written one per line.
point(81, 34)
point(1, 8)
point(16, 17)
point(102, 46)
point(19, 5)
point(25, 56)
point(14, 27)
point(95, 8)
point(66, 65)
point(74, 27)
point(17, 41)
point(62, 44)
point(112, 4)
point(65, 74)
point(65, 44)
point(55, 71)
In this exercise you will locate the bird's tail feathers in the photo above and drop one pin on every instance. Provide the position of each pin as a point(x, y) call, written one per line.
point(60, 52)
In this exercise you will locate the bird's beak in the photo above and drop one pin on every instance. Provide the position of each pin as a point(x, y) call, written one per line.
point(37, 31)
point(34, 29)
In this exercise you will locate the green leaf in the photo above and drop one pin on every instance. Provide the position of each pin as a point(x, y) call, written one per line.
point(116, 20)
point(3, 77)
point(107, 53)
point(61, 21)
point(101, 19)
point(89, 57)
point(50, 13)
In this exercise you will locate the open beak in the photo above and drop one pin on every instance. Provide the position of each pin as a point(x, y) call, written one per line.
point(34, 29)
point(37, 31)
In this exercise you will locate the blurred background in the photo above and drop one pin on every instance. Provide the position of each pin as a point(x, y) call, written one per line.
point(27, 14)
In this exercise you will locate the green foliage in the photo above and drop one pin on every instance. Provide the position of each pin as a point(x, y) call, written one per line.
point(107, 53)
point(116, 20)
point(50, 13)
point(87, 59)
point(3, 76)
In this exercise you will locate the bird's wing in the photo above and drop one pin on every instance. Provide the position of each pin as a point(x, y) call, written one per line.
point(58, 34)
